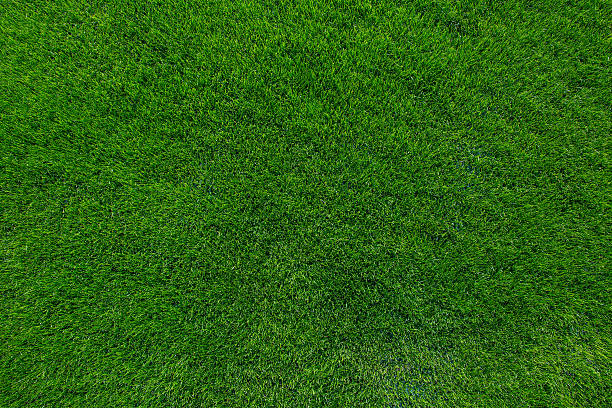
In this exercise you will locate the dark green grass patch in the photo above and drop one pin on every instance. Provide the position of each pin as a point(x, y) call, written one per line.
point(305, 204)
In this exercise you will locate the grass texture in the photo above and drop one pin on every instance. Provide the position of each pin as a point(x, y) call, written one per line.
point(305, 203)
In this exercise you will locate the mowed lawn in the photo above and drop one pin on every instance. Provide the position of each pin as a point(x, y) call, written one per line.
point(305, 203)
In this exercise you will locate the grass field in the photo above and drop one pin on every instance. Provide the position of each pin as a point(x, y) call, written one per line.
point(305, 203)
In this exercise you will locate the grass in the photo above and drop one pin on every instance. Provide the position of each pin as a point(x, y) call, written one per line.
point(305, 204)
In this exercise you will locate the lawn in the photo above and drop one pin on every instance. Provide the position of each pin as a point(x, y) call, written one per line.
point(305, 203)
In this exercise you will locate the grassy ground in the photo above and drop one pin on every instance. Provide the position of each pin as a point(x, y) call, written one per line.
point(305, 204)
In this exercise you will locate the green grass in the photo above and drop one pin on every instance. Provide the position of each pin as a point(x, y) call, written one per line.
point(305, 203)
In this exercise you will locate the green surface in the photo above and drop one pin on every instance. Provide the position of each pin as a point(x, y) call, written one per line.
point(305, 204)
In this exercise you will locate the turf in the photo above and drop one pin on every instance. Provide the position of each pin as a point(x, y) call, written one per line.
point(305, 204)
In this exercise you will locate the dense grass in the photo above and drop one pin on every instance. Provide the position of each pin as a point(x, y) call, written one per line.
point(305, 204)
